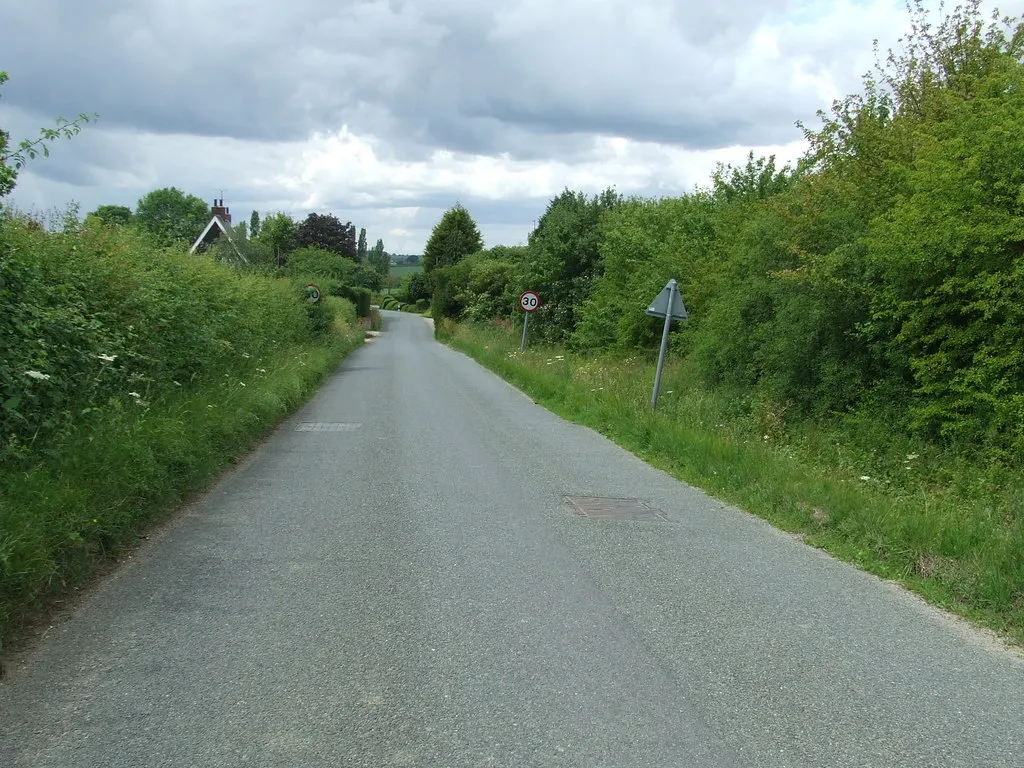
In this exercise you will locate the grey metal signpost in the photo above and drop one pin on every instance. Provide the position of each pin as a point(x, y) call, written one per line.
point(667, 304)
point(529, 302)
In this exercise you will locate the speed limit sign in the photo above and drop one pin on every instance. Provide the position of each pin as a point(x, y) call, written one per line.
point(529, 301)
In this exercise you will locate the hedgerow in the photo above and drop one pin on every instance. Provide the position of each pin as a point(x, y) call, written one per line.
point(882, 276)
point(130, 375)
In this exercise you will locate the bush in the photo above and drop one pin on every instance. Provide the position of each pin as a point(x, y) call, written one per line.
point(361, 298)
point(319, 316)
point(415, 286)
point(320, 263)
point(365, 276)
point(90, 317)
point(130, 374)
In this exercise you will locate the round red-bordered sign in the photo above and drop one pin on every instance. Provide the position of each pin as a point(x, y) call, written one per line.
point(529, 301)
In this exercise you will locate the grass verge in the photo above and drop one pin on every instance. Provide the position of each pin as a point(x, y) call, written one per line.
point(950, 530)
point(76, 508)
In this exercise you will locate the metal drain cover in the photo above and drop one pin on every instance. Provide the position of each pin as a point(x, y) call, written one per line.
point(327, 426)
point(601, 508)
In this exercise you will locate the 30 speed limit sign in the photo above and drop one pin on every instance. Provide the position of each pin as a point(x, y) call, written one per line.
point(529, 301)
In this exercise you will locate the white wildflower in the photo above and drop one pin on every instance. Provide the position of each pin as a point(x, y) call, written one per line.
point(865, 478)
point(107, 358)
point(911, 456)
point(135, 394)
point(37, 375)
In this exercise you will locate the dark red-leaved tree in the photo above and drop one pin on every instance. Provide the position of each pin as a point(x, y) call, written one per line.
point(327, 232)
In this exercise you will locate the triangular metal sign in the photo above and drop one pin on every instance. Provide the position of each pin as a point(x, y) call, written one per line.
point(659, 307)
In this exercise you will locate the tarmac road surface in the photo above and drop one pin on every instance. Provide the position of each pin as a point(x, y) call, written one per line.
point(395, 579)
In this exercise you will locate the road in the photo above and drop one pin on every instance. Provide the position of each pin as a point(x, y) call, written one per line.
point(395, 579)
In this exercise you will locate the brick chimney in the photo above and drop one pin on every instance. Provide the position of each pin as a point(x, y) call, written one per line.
point(218, 209)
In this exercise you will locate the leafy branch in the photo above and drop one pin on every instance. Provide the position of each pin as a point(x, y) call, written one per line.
point(31, 149)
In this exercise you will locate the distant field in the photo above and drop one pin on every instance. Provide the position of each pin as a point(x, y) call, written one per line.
point(401, 270)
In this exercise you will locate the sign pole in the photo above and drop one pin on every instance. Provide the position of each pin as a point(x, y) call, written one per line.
point(528, 301)
point(664, 343)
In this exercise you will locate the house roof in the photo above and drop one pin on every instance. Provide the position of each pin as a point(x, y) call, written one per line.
point(225, 229)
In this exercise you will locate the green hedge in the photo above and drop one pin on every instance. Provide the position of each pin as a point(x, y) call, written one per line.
point(130, 375)
point(360, 297)
point(91, 317)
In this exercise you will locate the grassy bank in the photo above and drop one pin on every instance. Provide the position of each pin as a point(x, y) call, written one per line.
point(944, 527)
point(77, 508)
point(131, 375)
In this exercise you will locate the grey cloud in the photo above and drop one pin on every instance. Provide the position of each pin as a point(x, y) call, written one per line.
point(538, 80)
point(468, 76)
point(435, 204)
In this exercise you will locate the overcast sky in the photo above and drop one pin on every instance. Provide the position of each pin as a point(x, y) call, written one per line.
point(387, 112)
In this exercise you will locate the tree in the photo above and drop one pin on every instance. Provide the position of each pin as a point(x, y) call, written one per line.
point(757, 180)
point(367, 277)
point(316, 262)
point(414, 287)
point(327, 232)
point(379, 259)
point(254, 224)
point(361, 247)
point(8, 175)
point(565, 260)
point(114, 215)
point(172, 216)
point(277, 233)
point(453, 238)
point(13, 160)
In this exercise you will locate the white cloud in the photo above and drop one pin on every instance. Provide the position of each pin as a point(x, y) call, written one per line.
point(385, 112)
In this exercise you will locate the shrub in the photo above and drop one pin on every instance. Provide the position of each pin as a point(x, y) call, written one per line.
point(320, 263)
point(361, 298)
point(90, 317)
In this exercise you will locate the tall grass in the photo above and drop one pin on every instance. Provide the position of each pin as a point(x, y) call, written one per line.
point(948, 529)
